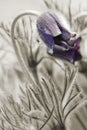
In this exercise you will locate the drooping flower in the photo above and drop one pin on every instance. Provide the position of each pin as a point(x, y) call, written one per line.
point(57, 37)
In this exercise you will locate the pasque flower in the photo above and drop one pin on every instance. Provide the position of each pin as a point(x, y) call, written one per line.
point(57, 37)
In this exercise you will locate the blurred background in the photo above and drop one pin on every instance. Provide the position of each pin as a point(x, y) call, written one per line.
point(10, 8)
point(51, 76)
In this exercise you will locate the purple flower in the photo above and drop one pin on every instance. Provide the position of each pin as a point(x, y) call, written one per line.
point(53, 33)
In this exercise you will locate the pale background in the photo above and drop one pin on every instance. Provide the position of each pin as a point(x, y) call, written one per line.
point(9, 8)
point(11, 74)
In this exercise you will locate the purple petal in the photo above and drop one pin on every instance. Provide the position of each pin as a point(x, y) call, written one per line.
point(76, 44)
point(47, 38)
point(77, 56)
point(65, 32)
point(70, 55)
point(48, 25)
